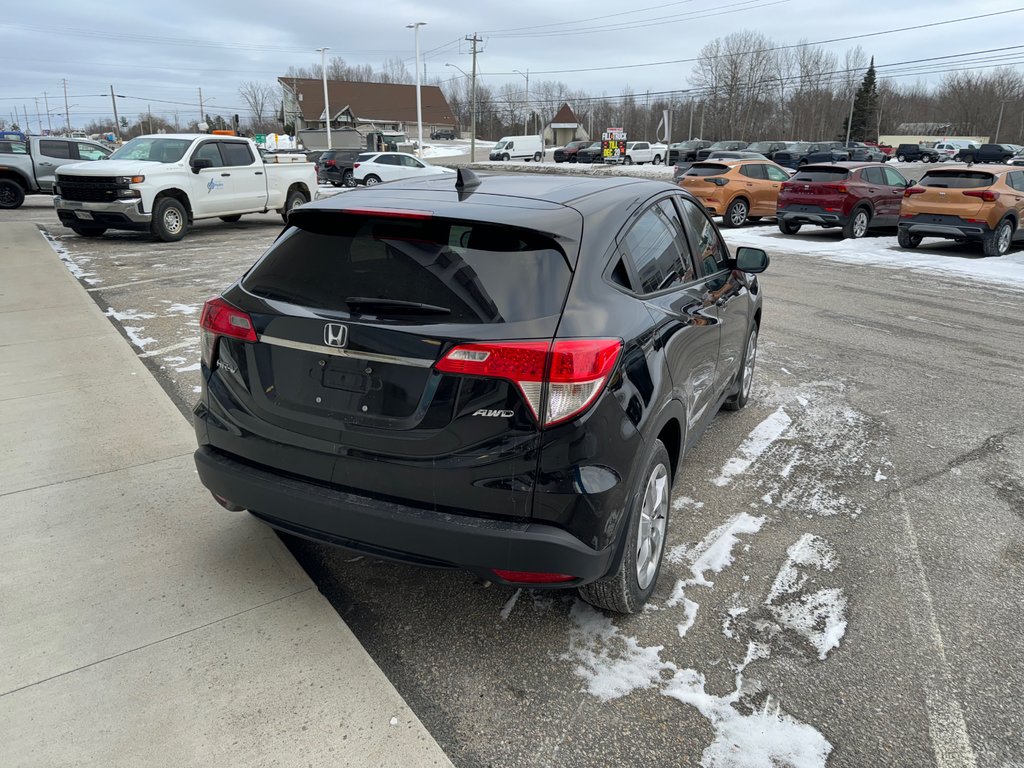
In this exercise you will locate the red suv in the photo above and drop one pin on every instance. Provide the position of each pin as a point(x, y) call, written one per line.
point(854, 196)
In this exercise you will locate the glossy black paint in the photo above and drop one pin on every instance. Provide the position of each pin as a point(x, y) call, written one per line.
point(416, 475)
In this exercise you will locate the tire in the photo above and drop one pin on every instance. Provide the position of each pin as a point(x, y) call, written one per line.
point(656, 160)
point(933, 159)
point(736, 214)
point(347, 179)
point(998, 243)
point(505, 158)
point(12, 194)
point(621, 591)
point(170, 220)
point(753, 219)
point(294, 200)
point(857, 225)
point(88, 231)
point(537, 157)
point(371, 180)
point(745, 375)
point(907, 240)
point(335, 183)
point(628, 160)
point(572, 159)
point(958, 158)
point(901, 158)
point(231, 219)
point(788, 227)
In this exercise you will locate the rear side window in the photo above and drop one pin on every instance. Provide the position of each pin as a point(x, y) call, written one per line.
point(59, 149)
point(654, 244)
point(209, 151)
point(479, 272)
point(957, 179)
point(362, 158)
point(822, 174)
point(873, 175)
point(236, 153)
point(707, 169)
point(754, 171)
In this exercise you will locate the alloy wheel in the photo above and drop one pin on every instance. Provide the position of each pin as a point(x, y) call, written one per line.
point(860, 224)
point(653, 521)
point(748, 363)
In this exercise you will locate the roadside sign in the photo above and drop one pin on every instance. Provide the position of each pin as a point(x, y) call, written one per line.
point(260, 138)
point(613, 144)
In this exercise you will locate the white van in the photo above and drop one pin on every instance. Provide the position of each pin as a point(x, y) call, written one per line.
point(949, 149)
point(518, 148)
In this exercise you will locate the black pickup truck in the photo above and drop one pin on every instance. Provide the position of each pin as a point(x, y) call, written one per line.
point(986, 153)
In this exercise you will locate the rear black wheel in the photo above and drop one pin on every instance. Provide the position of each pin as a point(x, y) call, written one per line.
point(631, 584)
point(736, 213)
point(857, 225)
point(907, 240)
point(788, 227)
point(536, 157)
point(901, 158)
point(998, 243)
point(12, 194)
point(294, 200)
point(348, 180)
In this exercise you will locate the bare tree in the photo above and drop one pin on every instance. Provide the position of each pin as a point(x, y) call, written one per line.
point(260, 98)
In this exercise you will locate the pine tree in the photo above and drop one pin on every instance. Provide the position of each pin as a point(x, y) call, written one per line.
point(865, 108)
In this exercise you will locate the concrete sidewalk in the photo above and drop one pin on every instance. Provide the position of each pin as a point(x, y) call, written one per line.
point(141, 624)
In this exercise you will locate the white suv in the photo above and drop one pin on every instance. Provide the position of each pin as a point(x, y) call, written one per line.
point(950, 149)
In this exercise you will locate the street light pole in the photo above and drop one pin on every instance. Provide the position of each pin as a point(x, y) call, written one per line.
point(415, 27)
point(327, 108)
point(999, 124)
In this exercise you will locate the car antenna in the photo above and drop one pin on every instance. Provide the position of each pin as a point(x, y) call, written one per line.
point(466, 179)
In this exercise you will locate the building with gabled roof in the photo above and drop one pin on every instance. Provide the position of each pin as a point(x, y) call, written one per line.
point(564, 127)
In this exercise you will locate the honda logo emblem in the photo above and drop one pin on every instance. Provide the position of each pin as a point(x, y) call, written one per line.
point(335, 335)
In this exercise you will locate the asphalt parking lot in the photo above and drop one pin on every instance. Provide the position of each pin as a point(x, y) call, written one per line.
point(845, 555)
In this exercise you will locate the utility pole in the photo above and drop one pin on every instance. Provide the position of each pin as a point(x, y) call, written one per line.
point(46, 105)
point(689, 135)
point(67, 112)
point(415, 27)
point(117, 123)
point(999, 125)
point(472, 129)
point(39, 118)
point(25, 113)
point(202, 114)
point(327, 109)
point(149, 111)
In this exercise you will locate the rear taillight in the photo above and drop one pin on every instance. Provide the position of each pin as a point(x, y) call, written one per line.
point(834, 188)
point(574, 371)
point(329, 163)
point(985, 194)
point(221, 319)
point(913, 191)
point(355, 165)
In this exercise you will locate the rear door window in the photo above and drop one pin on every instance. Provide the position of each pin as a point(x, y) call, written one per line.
point(475, 272)
point(957, 179)
point(873, 176)
point(58, 149)
point(209, 151)
point(653, 245)
point(235, 153)
point(776, 174)
point(754, 171)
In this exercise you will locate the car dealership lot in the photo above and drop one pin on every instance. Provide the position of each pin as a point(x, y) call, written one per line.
point(846, 553)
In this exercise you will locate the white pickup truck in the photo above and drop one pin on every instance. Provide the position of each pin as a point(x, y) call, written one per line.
point(641, 152)
point(161, 184)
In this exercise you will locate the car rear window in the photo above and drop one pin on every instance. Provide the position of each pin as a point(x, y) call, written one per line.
point(362, 157)
point(827, 173)
point(957, 179)
point(481, 272)
point(707, 169)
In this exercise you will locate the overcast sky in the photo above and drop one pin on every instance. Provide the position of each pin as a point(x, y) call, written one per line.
point(156, 53)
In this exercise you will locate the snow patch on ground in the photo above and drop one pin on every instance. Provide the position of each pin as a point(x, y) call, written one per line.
point(183, 309)
point(510, 604)
point(129, 314)
point(664, 173)
point(819, 616)
point(135, 337)
point(188, 368)
point(933, 257)
point(756, 443)
point(714, 552)
point(683, 502)
point(610, 663)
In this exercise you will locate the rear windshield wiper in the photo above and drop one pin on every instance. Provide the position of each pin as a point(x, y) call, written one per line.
point(396, 306)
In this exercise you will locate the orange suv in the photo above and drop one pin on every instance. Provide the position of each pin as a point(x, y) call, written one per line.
point(737, 190)
point(965, 203)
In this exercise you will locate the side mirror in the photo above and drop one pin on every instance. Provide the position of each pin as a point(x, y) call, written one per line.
point(751, 260)
point(199, 163)
point(910, 183)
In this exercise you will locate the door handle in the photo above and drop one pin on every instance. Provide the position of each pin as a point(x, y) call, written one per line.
point(225, 174)
point(46, 165)
point(259, 173)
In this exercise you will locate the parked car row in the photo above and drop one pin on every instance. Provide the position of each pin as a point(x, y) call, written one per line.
point(963, 203)
point(637, 152)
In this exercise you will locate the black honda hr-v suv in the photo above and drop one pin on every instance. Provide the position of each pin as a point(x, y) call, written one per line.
point(498, 373)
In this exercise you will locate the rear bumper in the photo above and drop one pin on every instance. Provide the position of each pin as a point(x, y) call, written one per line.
point(963, 231)
point(120, 214)
point(395, 531)
point(807, 217)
